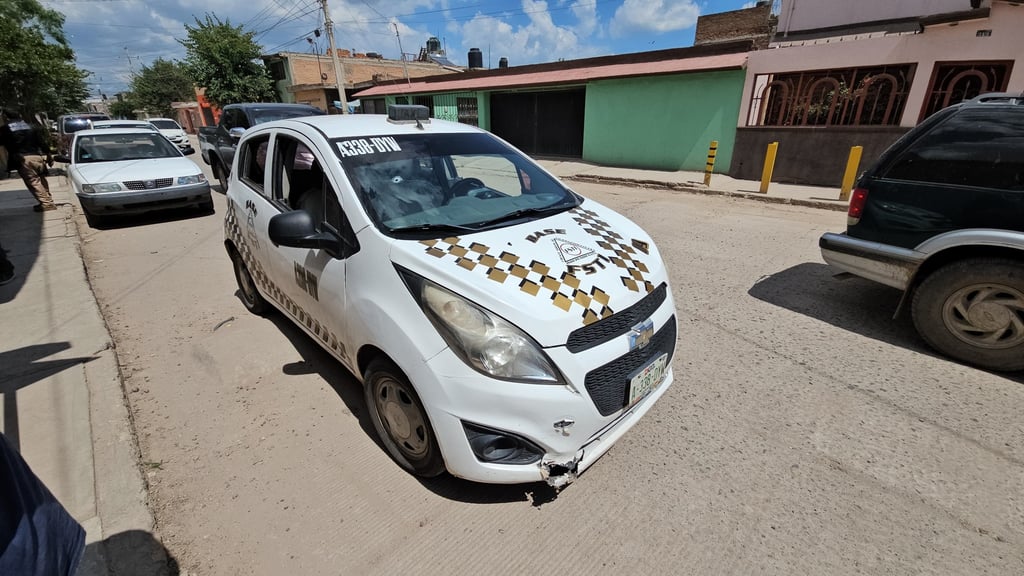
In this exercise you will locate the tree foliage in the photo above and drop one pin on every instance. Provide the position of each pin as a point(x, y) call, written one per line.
point(157, 85)
point(37, 66)
point(224, 59)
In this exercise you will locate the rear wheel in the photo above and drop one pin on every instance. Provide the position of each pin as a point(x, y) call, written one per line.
point(973, 310)
point(250, 296)
point(400, 420)
point(220, 174)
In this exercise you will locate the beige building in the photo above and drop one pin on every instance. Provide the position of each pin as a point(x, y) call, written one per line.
point(309, 78)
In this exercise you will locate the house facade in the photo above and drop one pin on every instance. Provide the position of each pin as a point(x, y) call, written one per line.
point(304, 78)
point(839, 74)
point(657, 110)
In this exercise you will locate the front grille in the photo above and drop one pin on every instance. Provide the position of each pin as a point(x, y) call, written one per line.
point(608, 385)
point(141, 184)
point(616, 325)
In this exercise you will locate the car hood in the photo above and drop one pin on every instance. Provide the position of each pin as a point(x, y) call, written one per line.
point(147, 169)
point(549, 276)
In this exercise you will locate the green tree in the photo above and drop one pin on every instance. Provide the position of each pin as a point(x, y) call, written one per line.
point(124, 108)
point(157, 85)
point(224, 59)
point(37, 66)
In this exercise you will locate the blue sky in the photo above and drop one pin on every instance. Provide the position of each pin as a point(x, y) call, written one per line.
point(113, 38)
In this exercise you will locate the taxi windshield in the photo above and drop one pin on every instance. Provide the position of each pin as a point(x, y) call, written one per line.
point(432, 184)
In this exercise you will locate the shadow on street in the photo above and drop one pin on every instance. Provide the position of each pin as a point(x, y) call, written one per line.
point(134, 552)
point(315, 360)
point(855, 304)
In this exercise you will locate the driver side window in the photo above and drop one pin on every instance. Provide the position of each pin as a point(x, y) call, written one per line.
point(299, 180)
point(495, 172)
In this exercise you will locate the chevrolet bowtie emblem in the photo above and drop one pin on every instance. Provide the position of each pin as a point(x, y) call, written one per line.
point(641, 334)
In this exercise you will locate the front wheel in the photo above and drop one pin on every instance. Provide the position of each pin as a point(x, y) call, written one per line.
point(973, 310)
point(400, 420)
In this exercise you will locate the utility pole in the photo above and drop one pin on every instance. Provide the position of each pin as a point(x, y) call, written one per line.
point(402, 53)
point(339, 70)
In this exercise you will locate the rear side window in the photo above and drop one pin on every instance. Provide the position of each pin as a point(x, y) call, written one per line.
point(253, 162)
point(979, 148)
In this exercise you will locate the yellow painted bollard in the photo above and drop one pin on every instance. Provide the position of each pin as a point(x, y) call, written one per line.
point(769, 166)
point(710, 166)
point(852, 165)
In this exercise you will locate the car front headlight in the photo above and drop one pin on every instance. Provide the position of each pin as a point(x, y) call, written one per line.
point(197, 179)
point(485, 341)
point(103, 187)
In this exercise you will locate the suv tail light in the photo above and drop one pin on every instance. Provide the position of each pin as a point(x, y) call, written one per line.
point(857, 201)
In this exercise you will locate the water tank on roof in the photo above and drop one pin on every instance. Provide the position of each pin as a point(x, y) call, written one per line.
point(476, 58)
point(433, 45)
point(373, 55)
point(503, 62)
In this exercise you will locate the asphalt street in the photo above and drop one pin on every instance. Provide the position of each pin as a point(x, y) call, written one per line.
point(807, 431)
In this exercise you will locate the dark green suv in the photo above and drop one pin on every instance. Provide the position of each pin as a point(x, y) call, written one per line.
point(941, 217)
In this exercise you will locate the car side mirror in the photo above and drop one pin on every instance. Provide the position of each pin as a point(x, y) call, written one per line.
point(295, 229)
point(236, 133)
point(188, 150)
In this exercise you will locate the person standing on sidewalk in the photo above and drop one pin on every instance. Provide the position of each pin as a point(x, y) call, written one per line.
point(28, 151)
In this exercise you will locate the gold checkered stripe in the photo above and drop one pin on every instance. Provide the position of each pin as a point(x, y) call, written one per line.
point(234, 231)
point(625, 255)
point(565, 292)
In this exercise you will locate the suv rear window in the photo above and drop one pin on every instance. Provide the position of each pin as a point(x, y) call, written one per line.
point(979, 147)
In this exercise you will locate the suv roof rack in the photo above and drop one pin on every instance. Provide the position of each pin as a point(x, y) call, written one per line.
point(999, 98)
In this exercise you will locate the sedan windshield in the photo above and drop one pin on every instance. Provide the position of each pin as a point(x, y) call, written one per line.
point(116, 147)
point(432, 184)
point(165, 124)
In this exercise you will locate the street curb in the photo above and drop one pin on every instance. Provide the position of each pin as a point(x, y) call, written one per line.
point(121, 492)
point(837, 206)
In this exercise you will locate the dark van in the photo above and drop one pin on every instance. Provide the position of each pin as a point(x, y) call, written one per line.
point(68, 124)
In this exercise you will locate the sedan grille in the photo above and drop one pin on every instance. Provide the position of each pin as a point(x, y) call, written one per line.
point(142, 184)
point(608, 385)
point(616, 325)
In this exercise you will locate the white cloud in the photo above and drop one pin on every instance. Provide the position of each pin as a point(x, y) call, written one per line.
point(748, 5)
point(657, 16)
point(586, 12)
point(539, 40)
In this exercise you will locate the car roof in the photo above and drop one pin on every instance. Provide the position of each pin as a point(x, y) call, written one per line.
point(126, 122)
point(365, 125)
point(110, 131)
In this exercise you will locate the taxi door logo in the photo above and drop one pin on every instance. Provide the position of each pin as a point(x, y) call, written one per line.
point(571, 252)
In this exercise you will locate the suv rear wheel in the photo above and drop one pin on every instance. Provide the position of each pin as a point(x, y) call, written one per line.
point(973, 310)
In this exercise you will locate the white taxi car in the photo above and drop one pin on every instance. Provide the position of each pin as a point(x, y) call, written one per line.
point(505, 329)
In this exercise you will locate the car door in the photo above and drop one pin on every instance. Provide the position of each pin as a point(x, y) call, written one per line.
point(250, 207)
point(315, 294)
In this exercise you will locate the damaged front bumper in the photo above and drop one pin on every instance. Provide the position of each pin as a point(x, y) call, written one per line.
point(559, 475)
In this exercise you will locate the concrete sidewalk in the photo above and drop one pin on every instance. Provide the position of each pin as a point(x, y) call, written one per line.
point(721, 185)
point(63, 405)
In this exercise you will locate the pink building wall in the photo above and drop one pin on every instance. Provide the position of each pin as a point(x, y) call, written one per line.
point(941, 43)
point(797, 15)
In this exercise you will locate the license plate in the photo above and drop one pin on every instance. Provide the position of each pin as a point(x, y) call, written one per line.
point(647, 379)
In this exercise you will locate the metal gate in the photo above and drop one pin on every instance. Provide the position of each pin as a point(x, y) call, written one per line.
point(541, 123)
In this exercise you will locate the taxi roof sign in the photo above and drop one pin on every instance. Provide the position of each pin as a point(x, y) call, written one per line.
point(407, 114)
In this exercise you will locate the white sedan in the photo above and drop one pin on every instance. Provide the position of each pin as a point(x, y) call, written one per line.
point(130, 171)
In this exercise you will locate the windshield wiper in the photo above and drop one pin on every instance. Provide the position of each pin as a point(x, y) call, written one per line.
point(432, 228)
point(521, 213)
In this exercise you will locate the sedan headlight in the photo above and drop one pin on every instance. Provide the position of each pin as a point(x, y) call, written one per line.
point(103, 187)
point(197, 179)
point(483, 340)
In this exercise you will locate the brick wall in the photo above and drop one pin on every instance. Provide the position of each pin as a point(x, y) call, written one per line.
point(751, 23)
point(306, 70)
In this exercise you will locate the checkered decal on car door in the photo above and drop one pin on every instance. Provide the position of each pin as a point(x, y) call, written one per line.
point(233, 231)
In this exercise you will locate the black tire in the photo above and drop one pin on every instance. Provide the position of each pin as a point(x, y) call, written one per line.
point(93, 220)
point(400, 420)
point(220, 175)
point(973, 310)
point(248, 294)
